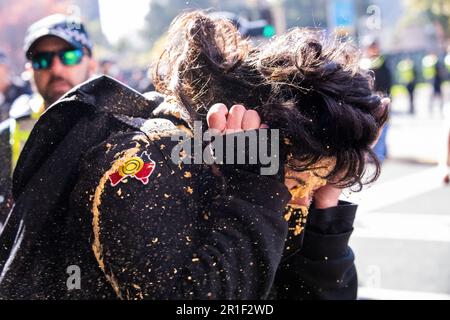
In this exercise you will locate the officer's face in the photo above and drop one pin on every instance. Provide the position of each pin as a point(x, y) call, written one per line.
point(55, 81)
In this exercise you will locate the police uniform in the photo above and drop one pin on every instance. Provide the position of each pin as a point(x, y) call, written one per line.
point(407, 75)
point(16, 89)
point(24, 113)
point(96, 189)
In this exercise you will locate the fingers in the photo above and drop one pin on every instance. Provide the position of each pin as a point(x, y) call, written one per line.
point(251, 120)
point(217, 117)
point(234, 120)
point(238, 118)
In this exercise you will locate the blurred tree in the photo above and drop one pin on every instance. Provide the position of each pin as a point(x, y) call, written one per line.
point(162, 12)
point(306, 13)
point(437, 11)
point(313, 13)
point(16, 16)
point(99, 40)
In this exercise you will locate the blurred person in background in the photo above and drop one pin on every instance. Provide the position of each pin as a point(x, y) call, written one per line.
point(376, 62)
point(59, 54)
point(11, 87)
point(433, 73)
point(141, 80)
point(407, 73)
point(447, 62)
point(23, 114)
point(110, 68)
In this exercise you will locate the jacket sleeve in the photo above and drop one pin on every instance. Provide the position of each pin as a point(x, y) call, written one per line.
point(319, 264)
point(186, 232)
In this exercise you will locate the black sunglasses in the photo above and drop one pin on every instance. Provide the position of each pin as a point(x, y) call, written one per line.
point(68, 57)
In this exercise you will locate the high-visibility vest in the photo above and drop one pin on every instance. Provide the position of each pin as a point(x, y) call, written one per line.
point(429, 66)
point(21, 125)
point(405, 70)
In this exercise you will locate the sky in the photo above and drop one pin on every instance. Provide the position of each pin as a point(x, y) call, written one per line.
point(131, 13)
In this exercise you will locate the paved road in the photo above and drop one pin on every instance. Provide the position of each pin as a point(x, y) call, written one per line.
point(402, 231)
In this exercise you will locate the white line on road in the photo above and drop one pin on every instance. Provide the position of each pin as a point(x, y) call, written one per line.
point(388, 294)
point(404, 188)
point(402, 226)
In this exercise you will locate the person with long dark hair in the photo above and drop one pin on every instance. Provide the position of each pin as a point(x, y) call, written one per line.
point(140, 226)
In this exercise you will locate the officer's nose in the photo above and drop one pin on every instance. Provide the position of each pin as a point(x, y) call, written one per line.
point(57, 67)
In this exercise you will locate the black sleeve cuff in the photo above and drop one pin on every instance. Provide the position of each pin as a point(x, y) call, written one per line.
point(325, 247)
point(332, 221)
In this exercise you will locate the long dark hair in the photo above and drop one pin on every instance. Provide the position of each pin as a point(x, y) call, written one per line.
point(311, 89)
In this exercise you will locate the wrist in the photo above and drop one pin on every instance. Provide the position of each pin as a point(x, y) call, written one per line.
point(327, 197)
point(325, 204)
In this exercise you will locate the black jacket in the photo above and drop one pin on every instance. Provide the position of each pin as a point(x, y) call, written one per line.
point(164, 232)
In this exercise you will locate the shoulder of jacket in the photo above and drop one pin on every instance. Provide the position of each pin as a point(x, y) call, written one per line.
point(107, 95)
point(156, 128)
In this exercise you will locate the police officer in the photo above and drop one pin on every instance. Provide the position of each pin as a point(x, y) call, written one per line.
point(407, 74)
point(59, 54)
point(447, 61)
point(10, 88)
point(433, 73)
point(376, 62)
